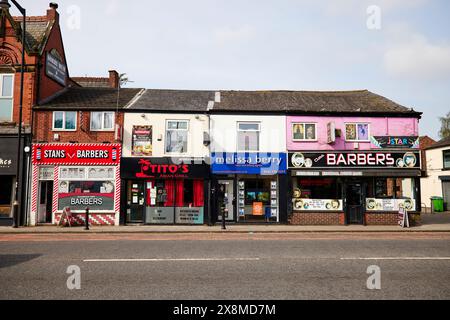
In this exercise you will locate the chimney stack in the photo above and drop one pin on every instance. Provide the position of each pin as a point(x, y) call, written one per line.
point(52, 14)
point(113, 79)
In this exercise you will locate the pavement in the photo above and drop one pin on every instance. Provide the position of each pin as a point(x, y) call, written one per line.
point(226, 266)
point(436, 222)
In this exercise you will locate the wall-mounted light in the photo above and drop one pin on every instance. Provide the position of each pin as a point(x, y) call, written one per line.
point(160, 137)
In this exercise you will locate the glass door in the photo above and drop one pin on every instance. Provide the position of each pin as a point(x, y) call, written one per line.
point(225, 198)
point(354, 203)
point(136, 202)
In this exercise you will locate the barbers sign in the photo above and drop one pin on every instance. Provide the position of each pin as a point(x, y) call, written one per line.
point(324, 160)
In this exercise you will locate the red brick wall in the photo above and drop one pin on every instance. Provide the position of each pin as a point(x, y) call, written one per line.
point(317, 218)
point(44, 122)
point(327, 218)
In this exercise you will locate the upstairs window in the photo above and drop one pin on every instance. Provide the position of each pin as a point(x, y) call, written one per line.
point(6, 97)
point(248, 136)
point(304, 132)
point(64, 121)
point(446, 156)
point(177, 136)
point(102, 121)
point(357, 132)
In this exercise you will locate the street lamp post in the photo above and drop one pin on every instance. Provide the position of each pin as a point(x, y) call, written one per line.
point(4, 4)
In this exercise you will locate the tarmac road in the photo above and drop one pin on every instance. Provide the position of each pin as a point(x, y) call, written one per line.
point(231, 266)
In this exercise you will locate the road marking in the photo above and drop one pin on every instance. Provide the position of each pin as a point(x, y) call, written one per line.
point(399, 258)
point(170, 259)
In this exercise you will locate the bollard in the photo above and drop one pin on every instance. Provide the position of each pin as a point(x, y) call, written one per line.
point(223, 222)
point(87, 219)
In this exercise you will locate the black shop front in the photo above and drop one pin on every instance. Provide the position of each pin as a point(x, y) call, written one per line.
point(164, 191)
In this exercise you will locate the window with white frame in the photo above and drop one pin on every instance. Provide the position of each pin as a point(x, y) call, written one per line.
point(64, 120)
point(102, 121)
point(357, 132)
point(177, 136)
point(248, 136)
point(304, 131)
point(6, 97)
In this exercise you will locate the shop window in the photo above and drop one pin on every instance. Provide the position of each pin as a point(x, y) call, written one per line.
point(446, 156)
point(257, 191)
point(357, 132)
point(321, 194)
point(390, 194)
point(304, 132)
point(5, 196)
point(6, 97)
point(64, 120)
point(175, 193)
point(81, 187)
point(177, 136)
point(248, 136)
point(102, 121)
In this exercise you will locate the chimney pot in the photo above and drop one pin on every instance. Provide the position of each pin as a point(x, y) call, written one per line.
point(52, 14)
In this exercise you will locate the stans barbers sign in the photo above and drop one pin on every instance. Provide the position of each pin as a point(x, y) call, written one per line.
point(324, 160)
point(76, 154)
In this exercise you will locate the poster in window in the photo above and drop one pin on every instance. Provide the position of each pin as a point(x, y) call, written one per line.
point(310, 131)
point(257, 208)
point(363, 131)
point(350, 132)
point(298, 131)
point(142, 141)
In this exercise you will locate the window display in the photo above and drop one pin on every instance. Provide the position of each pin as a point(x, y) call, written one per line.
point(322, 194)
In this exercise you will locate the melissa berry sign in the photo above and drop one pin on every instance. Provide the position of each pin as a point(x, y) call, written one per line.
point(76, 154)
point(327, 160)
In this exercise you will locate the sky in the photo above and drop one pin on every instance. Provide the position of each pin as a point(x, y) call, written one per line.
point(399, 49)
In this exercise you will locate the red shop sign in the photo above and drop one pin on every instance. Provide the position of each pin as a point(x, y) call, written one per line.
point(76, 154)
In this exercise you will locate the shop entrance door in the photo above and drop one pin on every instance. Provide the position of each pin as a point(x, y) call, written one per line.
point(45, 202)
point(354, 202)
point(225, 200)
point(136, 201)
point(446, 194)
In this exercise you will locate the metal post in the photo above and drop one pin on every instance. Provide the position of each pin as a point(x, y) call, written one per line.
point(224, 227)
point(87, 219)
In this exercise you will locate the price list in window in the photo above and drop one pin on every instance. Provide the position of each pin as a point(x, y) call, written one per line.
point(273, 199)
point(241, 198)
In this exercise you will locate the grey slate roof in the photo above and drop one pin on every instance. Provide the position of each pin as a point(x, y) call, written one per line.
point(362, 101)
point(92, 82)
point(174, 100)
point(308, 101)
point(76, 98)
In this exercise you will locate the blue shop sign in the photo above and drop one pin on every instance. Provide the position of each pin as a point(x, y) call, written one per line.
point(249, 163)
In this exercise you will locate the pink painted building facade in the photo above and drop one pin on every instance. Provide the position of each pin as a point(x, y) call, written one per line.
point(353, 170)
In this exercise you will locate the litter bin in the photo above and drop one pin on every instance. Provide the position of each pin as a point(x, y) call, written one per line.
point(437, 204)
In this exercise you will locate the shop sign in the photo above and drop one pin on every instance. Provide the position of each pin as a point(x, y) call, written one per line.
point(159, 215)
point(331, 132)
point(55, 68)
point(95, 202)
point(189, 215)
point(382, 159)
point(386, 142)
point(76, 154)
point(8, 156)
point(248, 163)
point(142, 141)
point(317, 204)
point(373, 204)
point(164, 168)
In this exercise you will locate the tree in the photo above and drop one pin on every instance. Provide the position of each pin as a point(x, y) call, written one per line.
point(445, 126)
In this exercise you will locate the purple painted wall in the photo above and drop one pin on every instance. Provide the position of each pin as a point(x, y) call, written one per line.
point(377, 127)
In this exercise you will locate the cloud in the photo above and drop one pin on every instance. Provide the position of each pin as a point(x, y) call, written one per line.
point(112, 8)
point(417, 58)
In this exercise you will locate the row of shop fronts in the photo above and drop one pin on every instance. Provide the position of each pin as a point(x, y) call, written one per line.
point(288, 187)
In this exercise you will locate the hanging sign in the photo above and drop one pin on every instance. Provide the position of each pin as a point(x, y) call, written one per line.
point(55, 68)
